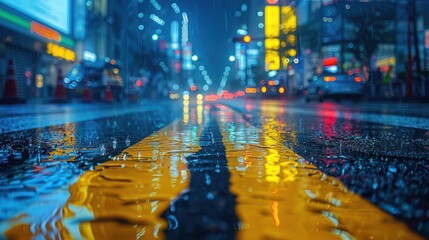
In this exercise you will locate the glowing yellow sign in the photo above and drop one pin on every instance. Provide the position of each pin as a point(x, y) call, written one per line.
point(288, 28)
point(272, 21)
point(288, 20)
point(272, 60)
point(39, 80)
point(272, 42)
point(60, 52)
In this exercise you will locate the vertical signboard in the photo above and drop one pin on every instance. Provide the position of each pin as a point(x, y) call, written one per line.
point(272, 42)
point(174, 33)
point(288, 35)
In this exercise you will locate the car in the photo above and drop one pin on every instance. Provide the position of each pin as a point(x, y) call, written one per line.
point(334, 86)
point(272, 88)
point(97, 76)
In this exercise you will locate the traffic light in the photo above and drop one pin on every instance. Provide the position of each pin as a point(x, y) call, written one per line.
point(247, 38)
point(244, 39)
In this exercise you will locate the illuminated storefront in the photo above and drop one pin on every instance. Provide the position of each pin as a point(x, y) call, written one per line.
point(37, 36)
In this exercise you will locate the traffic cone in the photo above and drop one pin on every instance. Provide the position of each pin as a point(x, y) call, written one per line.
point(86, 94)
point(60, 91)
point(108, 94)
point(10, 88)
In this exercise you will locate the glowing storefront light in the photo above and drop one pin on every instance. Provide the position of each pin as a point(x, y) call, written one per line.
point(39, 80)
point(45, 31)
point(288, 29)
point(288, 20)
point(60, 52)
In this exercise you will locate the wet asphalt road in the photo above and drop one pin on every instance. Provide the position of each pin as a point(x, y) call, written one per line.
point(377, 150)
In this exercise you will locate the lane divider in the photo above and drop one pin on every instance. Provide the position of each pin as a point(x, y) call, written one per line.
point(281, 196)
point(206, 210)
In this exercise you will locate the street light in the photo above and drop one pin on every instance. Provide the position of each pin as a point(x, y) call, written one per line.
point(231, 58)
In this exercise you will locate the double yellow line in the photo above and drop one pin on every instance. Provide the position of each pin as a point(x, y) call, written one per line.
point(279, 195)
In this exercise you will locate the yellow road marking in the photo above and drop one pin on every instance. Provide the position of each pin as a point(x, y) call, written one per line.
point(281, 196)
point(123, 199)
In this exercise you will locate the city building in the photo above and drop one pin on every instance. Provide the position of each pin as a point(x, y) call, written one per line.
point(372, 35)
point(39, 38)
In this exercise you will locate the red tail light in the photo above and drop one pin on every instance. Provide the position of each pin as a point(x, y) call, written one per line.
point(329, 78)
point(358, 79)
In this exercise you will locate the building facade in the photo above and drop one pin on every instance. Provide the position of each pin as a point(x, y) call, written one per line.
point(38, 37)
point(376, 35)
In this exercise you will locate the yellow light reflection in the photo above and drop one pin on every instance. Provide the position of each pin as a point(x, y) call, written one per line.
point(124, 197)
point(200, 114)
point(275, 211)
point(65, 137)
point(281, 196)
point(185, 112)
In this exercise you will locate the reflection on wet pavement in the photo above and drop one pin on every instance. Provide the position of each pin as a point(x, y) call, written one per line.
point(206, 210)
point(36, 175)
point(385, 164)
point(123, 198)
point(282, 196)
point(209, 174)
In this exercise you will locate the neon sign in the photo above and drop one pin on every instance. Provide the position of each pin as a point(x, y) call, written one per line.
point(60, 52)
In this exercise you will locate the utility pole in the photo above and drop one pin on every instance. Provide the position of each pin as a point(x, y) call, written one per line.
point(416, 46)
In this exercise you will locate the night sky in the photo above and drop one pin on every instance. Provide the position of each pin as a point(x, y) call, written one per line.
point(212, 23)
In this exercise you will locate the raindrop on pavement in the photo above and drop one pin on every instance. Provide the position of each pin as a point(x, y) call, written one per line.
point(210, 196)
point(38, 154)
point(392, 168)
point(102, 150)
point(127, 141)
point(208, 180)
point(114, 143)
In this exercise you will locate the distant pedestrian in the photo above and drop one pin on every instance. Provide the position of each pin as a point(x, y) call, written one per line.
point(387, 83)
point(388, 77)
